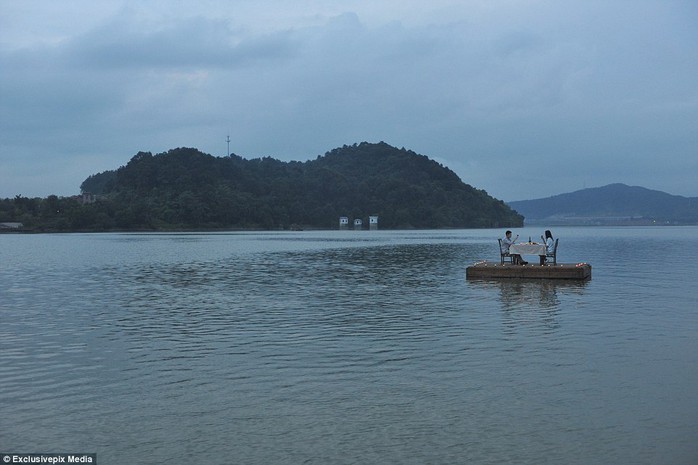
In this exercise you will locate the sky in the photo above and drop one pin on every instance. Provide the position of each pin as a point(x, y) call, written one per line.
point(524, 99)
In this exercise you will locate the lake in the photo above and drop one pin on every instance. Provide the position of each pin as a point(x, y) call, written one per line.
point(348, 347)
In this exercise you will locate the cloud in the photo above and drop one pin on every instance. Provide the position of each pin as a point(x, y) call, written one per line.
point(522, 99)
point(128, 45)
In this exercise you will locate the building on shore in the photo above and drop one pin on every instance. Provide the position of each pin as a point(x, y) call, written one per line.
point(11, 226)
point(358, 223)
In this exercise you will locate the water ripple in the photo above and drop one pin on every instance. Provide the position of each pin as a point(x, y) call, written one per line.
point(285, 348)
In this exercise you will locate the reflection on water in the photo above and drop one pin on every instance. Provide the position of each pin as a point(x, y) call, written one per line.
point(524, 301)
point(341, 348)
point(544, 292)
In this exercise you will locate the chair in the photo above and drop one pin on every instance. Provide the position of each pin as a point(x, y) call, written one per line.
point(552, 254)
point(504, 255)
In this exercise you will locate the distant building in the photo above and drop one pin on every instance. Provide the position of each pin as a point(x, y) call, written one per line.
point(358, 224)
point(11, 225)
point(343, 222)
point(373, 222)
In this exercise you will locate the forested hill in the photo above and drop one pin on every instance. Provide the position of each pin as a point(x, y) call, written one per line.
point(187, 189)
point(611, 204)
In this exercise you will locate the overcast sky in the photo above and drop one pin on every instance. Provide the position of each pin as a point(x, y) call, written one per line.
point(524, 99)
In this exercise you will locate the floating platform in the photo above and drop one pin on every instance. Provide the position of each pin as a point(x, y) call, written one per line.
point(488, 270)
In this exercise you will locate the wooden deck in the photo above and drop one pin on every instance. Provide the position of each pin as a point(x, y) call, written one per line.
point(488, 270)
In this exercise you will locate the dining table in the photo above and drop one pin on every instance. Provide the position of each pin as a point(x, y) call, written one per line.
point(527, 248)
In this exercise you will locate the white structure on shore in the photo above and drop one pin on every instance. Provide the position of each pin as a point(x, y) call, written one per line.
point(358, 223)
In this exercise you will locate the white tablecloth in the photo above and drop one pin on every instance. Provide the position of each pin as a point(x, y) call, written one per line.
point(527, 249)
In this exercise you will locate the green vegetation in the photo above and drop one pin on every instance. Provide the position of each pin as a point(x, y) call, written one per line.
point(186, 189)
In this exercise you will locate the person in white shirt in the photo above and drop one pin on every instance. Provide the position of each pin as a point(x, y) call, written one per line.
point(506, 243)
point(549, 245)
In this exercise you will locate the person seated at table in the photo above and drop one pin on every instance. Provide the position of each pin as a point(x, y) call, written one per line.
point(549, 245)
point(506, 243)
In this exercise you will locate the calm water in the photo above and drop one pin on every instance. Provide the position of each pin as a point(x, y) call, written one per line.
point(348, 348)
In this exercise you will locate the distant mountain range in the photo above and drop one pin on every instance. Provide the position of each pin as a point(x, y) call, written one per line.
point(614, 204)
